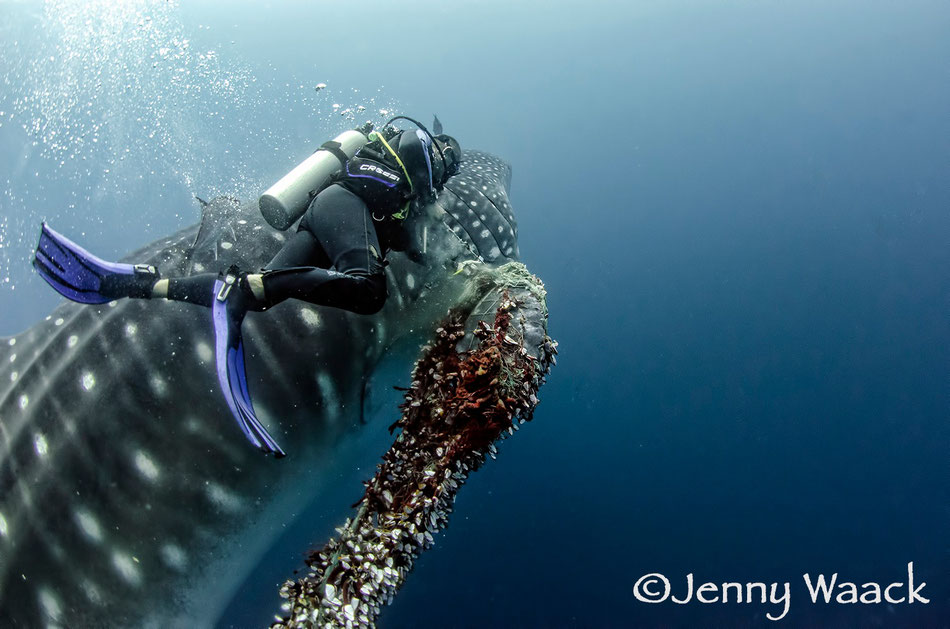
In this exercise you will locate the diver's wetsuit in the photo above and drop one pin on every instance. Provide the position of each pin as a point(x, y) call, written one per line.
point(336, 257)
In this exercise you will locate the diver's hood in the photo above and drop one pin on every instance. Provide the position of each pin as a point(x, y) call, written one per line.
point(441, 155)
point(415, 150)
point(451, 156)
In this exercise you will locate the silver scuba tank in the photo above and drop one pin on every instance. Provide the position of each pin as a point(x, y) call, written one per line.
point(286, 201)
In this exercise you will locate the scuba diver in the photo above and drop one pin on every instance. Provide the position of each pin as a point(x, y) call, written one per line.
point(336, 257)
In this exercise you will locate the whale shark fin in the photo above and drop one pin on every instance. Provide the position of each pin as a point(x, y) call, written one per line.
point(436, 125)
point(81, 276)
point(216, 218)
point(229, 357)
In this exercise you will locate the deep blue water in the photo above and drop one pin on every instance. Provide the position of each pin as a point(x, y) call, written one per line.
point(740, 211)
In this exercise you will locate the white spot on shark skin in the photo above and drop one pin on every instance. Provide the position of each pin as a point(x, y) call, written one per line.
point(146, 466)
point(14, 375)
point(174, 557)
point(89, 525)
point(226, 245)
point(222, 498)
point(11, 342)
point(88, 381)
point(25, 494)
point(310, 317)
point(331, 402)
point(12, 358)
point(279, 237)
point(242, 222)
point(127, 568)
point(24, 401)
point(72, 341)
point(92, 592)
point(199, 267)
point(131, 330)
point(411, 281)
point(159, 386)
point(4, 529)
point(113, 303)
point(204, 352)
point(194, 425)
point(50, 604)
point(59, 322)
point(40, 444)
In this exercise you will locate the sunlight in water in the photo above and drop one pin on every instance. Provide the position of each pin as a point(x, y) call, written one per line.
point(121, 91)
point(119, 86)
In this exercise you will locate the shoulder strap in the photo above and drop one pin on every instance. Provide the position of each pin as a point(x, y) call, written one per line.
point(374, 136)
point(334, 147)
point(401, 214)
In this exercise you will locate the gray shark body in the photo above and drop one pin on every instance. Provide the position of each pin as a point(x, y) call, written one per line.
point(128, 496)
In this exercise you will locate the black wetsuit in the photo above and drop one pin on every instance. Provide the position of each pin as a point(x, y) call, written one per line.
point(336, 257)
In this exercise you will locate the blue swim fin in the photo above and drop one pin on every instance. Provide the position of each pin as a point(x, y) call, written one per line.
point(80, 276)
point(228, 314)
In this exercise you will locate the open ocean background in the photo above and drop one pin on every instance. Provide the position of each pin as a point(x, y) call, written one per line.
point(741, 211)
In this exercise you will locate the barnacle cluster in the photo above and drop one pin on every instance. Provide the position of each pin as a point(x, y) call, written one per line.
point(460, 402)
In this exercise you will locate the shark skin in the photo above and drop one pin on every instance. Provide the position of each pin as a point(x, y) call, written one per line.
point(128, 497)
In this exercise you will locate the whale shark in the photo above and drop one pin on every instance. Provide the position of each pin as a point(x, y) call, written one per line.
point(127, 496)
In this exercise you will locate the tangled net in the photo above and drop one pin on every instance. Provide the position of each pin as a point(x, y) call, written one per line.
point(459, 404)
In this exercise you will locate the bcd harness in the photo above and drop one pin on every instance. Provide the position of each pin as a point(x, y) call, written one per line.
point(372, 175)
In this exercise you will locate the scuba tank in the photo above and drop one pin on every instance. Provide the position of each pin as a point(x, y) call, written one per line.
point(286, 201)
